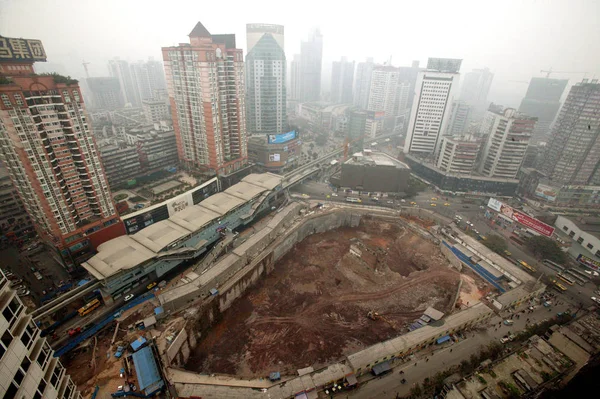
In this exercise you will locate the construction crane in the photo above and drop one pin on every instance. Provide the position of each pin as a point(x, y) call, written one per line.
point(85, 66)
point(549, 71)
point(347, 143)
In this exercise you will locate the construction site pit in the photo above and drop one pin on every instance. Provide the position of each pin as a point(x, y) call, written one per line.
point(313, 309)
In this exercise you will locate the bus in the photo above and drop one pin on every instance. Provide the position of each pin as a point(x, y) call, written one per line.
point(526, 266)
point(89, 307)
point(352, 199)
point(553, 265)
point(566, 279)
point(559, 286)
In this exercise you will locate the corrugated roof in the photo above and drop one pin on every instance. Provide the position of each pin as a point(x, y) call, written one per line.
point(145, 368)
point(245, 191)
point(266, 180)
point(193, 218)
point(161, 234)
point(221, 203)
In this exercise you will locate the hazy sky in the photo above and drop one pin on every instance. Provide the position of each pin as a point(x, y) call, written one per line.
point(515, 39)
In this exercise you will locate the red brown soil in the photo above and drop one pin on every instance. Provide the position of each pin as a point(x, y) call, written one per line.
point(312, 309)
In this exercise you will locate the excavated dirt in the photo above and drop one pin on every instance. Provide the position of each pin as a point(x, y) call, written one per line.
point(312, 309)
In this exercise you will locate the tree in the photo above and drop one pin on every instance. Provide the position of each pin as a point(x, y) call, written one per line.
point(321, 140)
point(415, 186)
point(496, 243)
point(545, 248)
point(416, 390)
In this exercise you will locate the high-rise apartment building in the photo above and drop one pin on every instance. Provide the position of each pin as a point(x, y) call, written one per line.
point(458, 155)
point(47, 147)
point(383, 94)
point(342, 79)
point(475, 89)
point(410, 74)
point(105, 93)
point(265, 79)
point(435, 90)
point(460, 117)
point(205, 80)
point(14, 220)
point(148, 76)
point(506, 144)
point(156, 110)
point(311, 60)
point(362, 83)
point(542, 101)
point(29, 369)
point(121, 70)
point(295, 79)
point(572, 154)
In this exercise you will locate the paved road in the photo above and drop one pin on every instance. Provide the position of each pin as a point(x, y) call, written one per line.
point(388, 386)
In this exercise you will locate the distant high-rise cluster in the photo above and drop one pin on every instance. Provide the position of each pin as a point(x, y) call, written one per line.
point(311, 59)
point(362, 85)
point(265, 79)
point(474, 92)
point(207, 94)
point(342, 79)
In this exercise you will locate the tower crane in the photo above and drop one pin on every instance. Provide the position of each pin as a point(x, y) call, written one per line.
point(85, 66)
point(549, 71)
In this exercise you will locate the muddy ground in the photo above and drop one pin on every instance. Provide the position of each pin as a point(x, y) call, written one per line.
point(312, 309)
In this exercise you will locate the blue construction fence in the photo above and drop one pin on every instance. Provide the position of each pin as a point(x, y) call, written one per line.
point(476, 267)
point(101, 324)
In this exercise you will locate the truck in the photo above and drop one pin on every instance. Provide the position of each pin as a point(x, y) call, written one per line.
point(119, 351)
point(38, 275)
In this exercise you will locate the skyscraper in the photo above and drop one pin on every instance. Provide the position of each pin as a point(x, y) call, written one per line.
point(265, 79)
point(572, 155)
point(148, 76)
point(47, 147)
point(295, 78)
point(362, 84)
point(205, 80)
point(311, 59)
point(342, 78)
point(475, 89)
point(542, 100)
point(105, 93)
point(120, 69)
point(383, 93)
point(506, 144)
point(435, 91)
point(460, 116)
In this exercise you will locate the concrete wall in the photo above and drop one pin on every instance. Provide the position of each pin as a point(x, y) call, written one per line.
point(454, 261)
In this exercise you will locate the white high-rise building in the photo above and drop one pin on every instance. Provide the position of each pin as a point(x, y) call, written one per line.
point(148, 76)
point(295, 78)
point(458, 155)
point(311, 59)
point(121, 70)
point(383, 94)
point(435, 90)
point(506, 143)
point(342, 79)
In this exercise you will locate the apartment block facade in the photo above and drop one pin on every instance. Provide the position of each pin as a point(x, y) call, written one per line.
point(28, 368)
point(47, 147)
point(205, 81)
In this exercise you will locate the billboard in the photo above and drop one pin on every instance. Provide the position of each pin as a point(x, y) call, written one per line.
point(275, 158)
point(546, 192)
point(591, 263)
point(281, 138)
point(520, 217)
point(17, 49)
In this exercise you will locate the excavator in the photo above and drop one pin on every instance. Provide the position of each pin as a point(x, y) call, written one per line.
point(373, 315)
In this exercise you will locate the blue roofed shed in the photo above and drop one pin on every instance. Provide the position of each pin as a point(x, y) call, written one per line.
point(146, 369)
point(138, 343)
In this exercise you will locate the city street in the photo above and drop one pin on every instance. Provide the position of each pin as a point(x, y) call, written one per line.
point(388, 386)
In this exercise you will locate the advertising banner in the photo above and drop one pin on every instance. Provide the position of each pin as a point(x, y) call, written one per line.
point(281, 138)
point(546, 192)
point(591, 263)
point(180, 202)
point(520, 217)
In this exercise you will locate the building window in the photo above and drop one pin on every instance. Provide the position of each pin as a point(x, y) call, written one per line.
point(590, 246)
point(580, 240)
point(11, 392)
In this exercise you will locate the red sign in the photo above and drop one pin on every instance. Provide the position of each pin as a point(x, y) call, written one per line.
point(533, 224)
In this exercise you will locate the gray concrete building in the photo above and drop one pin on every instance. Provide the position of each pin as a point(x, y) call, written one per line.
point(342, 79)
point(573, 150)
point(14, 220)
point(542, 101)
point(475, 89)
point(362, 83)
point(374, 172)
point(106, 93)
point(311, 59)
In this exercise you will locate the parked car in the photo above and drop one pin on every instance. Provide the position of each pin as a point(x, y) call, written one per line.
point(23, 293)
point(128, 297)
point(151, 285)
point(508, 322)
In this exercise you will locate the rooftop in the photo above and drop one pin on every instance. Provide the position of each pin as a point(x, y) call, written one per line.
point(194, 217)
point(221, 203)
point(267, 181)
point(115, 255)
point(159, 235)
point(245, 191)
point(375, 159)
